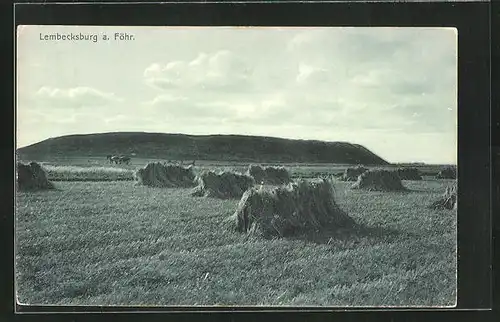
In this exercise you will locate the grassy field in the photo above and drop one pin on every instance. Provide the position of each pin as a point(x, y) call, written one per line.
point(98, 169)
point(78, 173)
point(115, 243)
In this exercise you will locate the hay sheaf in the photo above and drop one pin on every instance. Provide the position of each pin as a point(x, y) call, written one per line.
point(379, 180)
point(32, 177)
point(409, 174)
point(290, 209)
point(161, 175)
point(269, 175)
point(223, 185)
point(447, 173)
point(448, 200)
point(352, 174)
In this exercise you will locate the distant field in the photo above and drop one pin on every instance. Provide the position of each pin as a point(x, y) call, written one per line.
point(98, 169)
point(112, 243)
point(95, 173)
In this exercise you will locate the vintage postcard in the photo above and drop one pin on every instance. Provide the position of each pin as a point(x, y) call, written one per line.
point(230, 166)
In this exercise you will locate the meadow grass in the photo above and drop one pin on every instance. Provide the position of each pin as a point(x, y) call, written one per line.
point(115, 243)
point(99, 169)
point(94, 173)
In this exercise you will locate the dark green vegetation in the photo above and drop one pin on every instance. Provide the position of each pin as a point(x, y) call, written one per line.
point(118, 243)
point(206, 147)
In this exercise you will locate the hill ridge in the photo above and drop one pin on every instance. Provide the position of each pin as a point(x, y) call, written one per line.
point(223, 147)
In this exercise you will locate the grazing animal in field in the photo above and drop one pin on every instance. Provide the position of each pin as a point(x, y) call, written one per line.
point(114, 159)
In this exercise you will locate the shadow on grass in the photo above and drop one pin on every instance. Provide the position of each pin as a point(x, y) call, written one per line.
point(419, 190)
point(352, 233)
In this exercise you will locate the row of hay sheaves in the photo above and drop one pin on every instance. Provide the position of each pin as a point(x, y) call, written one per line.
point(352, 174)
point(272, 204)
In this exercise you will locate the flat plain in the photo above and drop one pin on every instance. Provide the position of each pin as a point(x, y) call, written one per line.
point(100, 239)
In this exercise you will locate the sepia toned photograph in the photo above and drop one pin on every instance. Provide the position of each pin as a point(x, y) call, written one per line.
point(236, 166)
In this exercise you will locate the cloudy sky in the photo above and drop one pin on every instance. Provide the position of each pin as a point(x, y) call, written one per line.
point(392, 90)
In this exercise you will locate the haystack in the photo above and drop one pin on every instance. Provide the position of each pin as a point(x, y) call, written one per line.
point(409, 174)
point(32, 177)
point(291, 209)
point(447, 173)
point(269, 175)
point(379, 180)
point(352, 174)
point(224, 184)
point(448, 200)
point(161, 175)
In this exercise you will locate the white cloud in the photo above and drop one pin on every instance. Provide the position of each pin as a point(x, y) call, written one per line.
point(74, 97)
point(219, 70)
point(183, 108)
point(309, 74)
point(164, 99)
point(388, 78)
